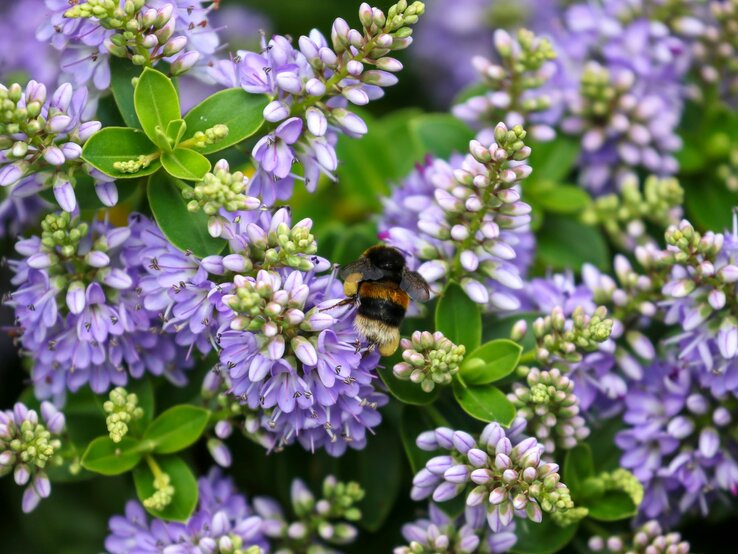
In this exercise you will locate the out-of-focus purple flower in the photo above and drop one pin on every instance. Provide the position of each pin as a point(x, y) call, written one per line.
point(18, 23)
point(29, 447)
point(222, 519)
point(678, 442)
point(455, 224)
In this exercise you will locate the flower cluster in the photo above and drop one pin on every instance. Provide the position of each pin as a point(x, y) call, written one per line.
point(223, 522)
point(220, 189)
point(318, 522)
point(122, 408)
point(144, 31)
point(429, 359)
point(310, 86)
point(550, 408)
point(679, 442)
point(440, 534)
point(649, 538)
point(470, 219)
point(513, 85)
point(623, 96)
point(495, 476)
point(29, 447)
point(79, 310)
point(19, 21)
point(41, 140)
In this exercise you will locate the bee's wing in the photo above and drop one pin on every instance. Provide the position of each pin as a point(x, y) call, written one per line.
point(363, 267)
point(416, 287)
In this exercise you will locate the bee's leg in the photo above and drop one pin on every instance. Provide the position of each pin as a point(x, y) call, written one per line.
point(357, 345)
point(349, 300)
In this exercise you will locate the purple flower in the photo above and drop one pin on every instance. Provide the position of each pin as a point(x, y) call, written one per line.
point(273, 151)
point(223, 517)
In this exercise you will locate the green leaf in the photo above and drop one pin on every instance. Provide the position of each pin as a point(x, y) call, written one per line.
point(239, 110)
point(156, 102)
point(709, 205)
point(122, 72)
point(553, 160)
point(414, 421)
point(459, 318)
point(561, 199)
point(542, 538)
point(176, 429)
point(613, 505)
point(175, 131)
point(578, 466)
point(405, 153)
point(119, 144)
point(144, 390)
point(110, 458)
point(181, 478)
point(440, 134)
point(406, 392)
point(566, 243)
point(185, 230)
point(186, 164)
point(490, 362)
point(484, 402)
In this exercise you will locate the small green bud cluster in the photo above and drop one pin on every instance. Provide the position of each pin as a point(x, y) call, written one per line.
point(598, 91)
point(513, 83)
point(133, 165)
point(142, 34)
point(560, 338)
point(429, 359)
point(282, 245)
point(650, 538)
point(551, 408)
point(60, 234)
point(163, 493)
point(122, 409)
point(625, 215)
point(201, 139)
point(325, 518)
point(220, 189)
point(623, 480)
point(570, 516)
point(402, 15)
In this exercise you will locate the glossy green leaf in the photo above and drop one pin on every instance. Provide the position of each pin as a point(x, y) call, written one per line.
point(119, 144)
point(484, 402)
point(406, 392)
point(122, 72)
point(176, 429)
point(561, 199)
point(405, 152)
point(156, 102)
point(239, 110)
point(578, 466)
point(440, 134)
point(613, 505)
point(490, 362)
point(186, 164)
point(554, 160)
point(185, 230)
point(415, 421)
point(709, 207)
point(542, 538)
point(568, 243)
point(459, 318)
point(181, 478)
point(110, 458)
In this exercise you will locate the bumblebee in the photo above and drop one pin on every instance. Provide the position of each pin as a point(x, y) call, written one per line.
point(383, 286)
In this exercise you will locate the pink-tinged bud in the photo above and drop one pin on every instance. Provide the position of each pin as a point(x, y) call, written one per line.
point(350, 122)
point(497, 496)
point(716, 298)
point(318, 321)
point(304, 350)
point(76, 301)
point(289, 82)
point(356, 95)
point(354, 68)
point(469, 261)
point(389, 64)
point(96, 258)
point(476, 496)
point(275, 348)
point(328, 57)
point(533, 511)
point(184, 62)
point(215, 226)
point(530, 474)
point(503, 42)
point(276, 111)
point(64, 194)
point(729, 273)
point(58, 123)
point(175, 46)
point(54, 156)
point(502, 461)
point(384, 41)
point(475, 290)
point(234, 262)
point(315, 87)
point(379, 78)
point(316, 121)
point(481, 476)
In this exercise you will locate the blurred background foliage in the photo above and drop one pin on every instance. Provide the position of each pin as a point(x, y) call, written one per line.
point(404, 128)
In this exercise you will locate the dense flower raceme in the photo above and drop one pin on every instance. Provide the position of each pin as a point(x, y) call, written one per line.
point(440, 534)
point(679, 442)
point(29, 446)
point(464, 220)
point(225, 521)
point(41, 138)
point(497, 478)
point(310, 87)
point(623, 91)
point(79, 310)
point(454, 32)
point(88, 33)
point(286, 347)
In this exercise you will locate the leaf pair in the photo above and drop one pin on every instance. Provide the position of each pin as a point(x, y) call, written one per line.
point(166, 138)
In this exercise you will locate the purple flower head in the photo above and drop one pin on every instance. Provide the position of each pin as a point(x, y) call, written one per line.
point(78, 308)
point(223, 517)
point(28, 446)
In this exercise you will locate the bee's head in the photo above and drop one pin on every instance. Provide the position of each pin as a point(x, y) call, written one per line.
point(386, 258)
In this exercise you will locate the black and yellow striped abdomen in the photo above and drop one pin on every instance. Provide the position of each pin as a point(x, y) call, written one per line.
point(383, 301)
